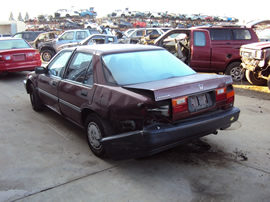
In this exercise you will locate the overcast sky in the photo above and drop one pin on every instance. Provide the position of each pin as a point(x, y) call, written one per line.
point(241, 9)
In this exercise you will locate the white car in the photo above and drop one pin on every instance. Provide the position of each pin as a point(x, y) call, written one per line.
point(66, 13)
point(120, 13)
point(90, 25)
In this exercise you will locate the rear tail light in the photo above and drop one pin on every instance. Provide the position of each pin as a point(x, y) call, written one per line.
point(230, 96)
point(36, 55)
point(221, 94)
point(225, 94)
point(179, 105)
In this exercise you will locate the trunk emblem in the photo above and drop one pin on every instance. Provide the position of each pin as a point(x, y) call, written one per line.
point(201, 86)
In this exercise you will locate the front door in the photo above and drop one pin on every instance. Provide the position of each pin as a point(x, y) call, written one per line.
point(48, 84)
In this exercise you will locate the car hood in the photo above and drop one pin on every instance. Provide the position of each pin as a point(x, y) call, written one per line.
point(180, 86)
point(257, 45)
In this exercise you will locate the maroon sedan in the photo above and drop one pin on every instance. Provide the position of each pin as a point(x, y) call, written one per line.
point(132, 100)
point(17, 55)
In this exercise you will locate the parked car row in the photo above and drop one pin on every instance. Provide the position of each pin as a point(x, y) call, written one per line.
point(165, 15)
point(205, 41)
point(61, 13)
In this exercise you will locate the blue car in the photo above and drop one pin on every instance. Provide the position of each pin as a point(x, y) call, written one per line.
point(88, 13)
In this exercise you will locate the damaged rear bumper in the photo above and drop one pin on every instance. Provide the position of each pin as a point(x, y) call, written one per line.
point(159, 137)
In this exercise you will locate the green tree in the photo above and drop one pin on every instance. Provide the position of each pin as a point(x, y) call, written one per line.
point(26, 18)
point(20, 17)
point(11, 16)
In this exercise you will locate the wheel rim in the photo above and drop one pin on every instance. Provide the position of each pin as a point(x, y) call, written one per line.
point(94, 135)
point(237, 73)
point(46, 56)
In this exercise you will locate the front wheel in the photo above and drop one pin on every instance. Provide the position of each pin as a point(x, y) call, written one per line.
point(46, 55)
point(96, 128)
point(35, 99)
point(253, 78)
point(235, 71)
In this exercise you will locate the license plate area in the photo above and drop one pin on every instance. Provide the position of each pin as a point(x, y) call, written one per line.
point(19, 57)
point(200, 101)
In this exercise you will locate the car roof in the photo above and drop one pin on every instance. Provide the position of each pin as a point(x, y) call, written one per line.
point(104, 49)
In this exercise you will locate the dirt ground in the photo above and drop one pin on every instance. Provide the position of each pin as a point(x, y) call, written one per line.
point(45, 158)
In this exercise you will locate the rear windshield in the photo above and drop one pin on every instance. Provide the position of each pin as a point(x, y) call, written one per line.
point(144, 66)
point(13, 44)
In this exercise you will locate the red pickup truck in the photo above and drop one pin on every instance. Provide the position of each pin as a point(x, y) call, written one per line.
point(209, 49)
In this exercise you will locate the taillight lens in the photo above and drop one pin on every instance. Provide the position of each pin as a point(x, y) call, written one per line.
point(221, 94)
point(230, 96)
point(37, 55)
point(179, 104)
point(225, 94)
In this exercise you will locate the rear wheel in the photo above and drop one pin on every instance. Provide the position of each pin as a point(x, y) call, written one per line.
point(46, 55)
point(97, 128)
point(235, 71)
point(253, 78)
point(35, 99)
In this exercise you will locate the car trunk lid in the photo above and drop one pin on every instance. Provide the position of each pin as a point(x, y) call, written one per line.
point(180, 86)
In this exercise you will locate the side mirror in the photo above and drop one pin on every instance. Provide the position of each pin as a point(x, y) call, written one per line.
point(40, 70)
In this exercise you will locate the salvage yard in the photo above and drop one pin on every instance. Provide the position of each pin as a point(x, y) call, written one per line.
point(46, 158)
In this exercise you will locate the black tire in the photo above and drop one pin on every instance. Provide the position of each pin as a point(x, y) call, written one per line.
point(236, 71)
point(46, 55)
point(252, 78)
point(36, 102)
point(97, 128)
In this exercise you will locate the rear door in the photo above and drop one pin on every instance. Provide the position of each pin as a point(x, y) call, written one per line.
point(77, 89)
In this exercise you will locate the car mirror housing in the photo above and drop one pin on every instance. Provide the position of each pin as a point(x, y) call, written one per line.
point(40, 70)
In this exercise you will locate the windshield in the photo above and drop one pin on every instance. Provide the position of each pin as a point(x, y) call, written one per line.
point(144, 66)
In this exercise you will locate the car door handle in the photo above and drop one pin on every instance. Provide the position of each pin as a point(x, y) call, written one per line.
point(84, 93)
point(54, 83)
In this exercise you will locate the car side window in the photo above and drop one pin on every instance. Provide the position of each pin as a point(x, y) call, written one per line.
point(80, 35)
point(67, 36)
point(111, 40)
point(138, 33)
point(241, 34)
point(220, 34)
point(78, 67)
point(97, 40)
point(199, 39)
point(18, 35)
point(57, 65)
